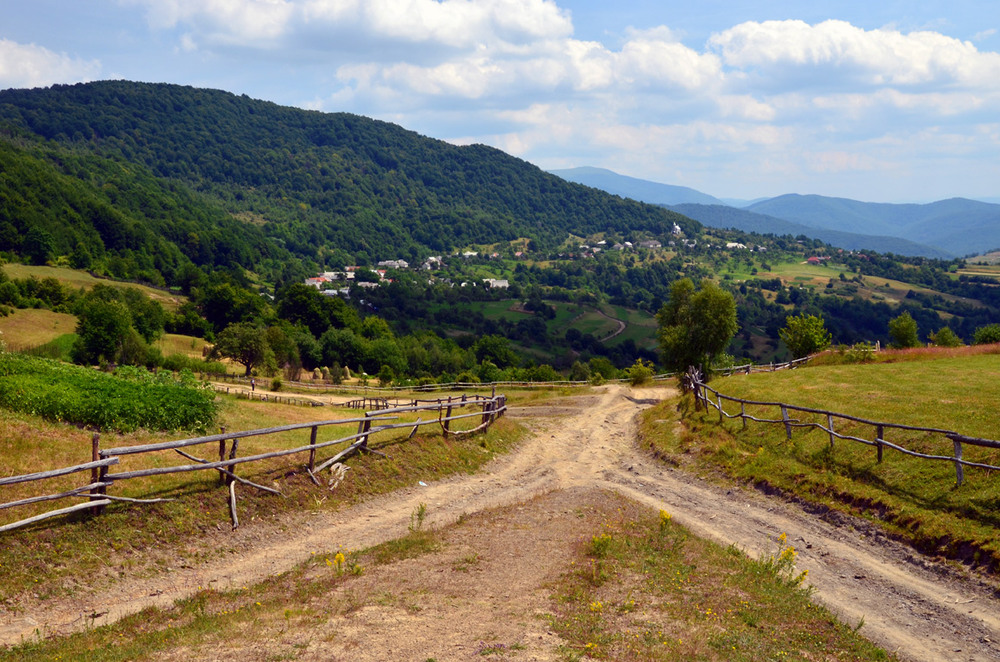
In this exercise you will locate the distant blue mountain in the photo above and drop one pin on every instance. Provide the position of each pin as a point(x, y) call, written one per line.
point(957, 225)
point(946, 228)
point(637, 189)
point(718, 216)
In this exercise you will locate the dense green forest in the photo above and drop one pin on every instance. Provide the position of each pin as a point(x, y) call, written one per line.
point(330, 188)
point(234, 201)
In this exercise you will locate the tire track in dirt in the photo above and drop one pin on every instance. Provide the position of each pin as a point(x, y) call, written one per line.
point(912, 607)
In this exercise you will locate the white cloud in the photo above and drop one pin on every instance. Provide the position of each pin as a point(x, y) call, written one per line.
point(448, 23)
point(248, 22)
point(28, 65)
point(843, 52)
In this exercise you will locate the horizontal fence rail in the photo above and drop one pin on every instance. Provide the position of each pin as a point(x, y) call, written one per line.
point(351, 389)
point(377, 419)
point(709, 397)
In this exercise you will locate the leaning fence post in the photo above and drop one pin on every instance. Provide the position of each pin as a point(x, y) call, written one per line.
point(232, 456)
point(788, 424)
point(721, 413)
point(959, 471)
point(829, 426)
point(743, 413)
point(312, 451)
point(878, 441)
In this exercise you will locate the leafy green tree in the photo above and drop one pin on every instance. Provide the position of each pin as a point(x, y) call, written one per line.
point(986, 335)
point(103, 329)
point(695, 326)
point(805, 334)
point(489, 372)
point(603, 367)
point(386, 376)
point(38, 245)
point(495, 349)
point(579, 372)
point(945, 337)
point(903, 331)
point(245, 343)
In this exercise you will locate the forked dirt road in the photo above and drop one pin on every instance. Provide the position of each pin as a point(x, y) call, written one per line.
point(920, 610)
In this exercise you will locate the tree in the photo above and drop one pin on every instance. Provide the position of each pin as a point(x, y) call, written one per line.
point(495, 349)
point(695, 326)
point(38, 245)
point(945, 337)
point(986, 335)
point(244, 343)
point(103, 328)
point(805, 335)
point(903, 331)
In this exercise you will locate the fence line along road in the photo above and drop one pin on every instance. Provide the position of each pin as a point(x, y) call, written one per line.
point(701, 391)
point(488, 410)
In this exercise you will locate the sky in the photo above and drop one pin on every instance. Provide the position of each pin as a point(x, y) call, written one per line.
point(890, 101)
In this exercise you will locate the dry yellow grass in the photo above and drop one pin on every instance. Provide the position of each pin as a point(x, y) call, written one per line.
point(172, 343)
point(31, 327)
point(81, 279)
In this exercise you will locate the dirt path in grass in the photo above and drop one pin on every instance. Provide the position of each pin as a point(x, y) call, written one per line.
point(911, 606)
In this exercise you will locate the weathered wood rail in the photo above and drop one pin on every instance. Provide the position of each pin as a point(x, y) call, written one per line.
point(751, 368)
point(707, 396)
point(487, 410)
point(351, 389)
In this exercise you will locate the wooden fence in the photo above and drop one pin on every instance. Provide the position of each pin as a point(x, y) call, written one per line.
point(487, 410)
point(350, 389)
point(750, 368)
point(709, 397)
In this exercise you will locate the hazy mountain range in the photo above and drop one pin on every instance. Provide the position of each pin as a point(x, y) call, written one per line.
point(946, 228)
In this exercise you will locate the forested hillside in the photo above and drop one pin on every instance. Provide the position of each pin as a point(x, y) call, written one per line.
point(330, 187)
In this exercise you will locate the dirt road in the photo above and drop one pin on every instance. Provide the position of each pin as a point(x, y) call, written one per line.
point(913, 607)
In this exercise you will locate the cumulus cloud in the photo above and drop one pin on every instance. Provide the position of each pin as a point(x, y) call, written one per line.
point(448, 23)
point(28, 65)
point(845, 53)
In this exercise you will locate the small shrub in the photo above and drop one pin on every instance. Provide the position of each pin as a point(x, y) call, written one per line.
point(640, 372)
point(987, 335)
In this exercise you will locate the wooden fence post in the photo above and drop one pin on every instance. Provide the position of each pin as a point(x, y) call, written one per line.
point(232, 456)
point(788, 425)
point(447, 417)
point(743, 413)
point(312, 451)
point(829, 426)
point(222, 454)
point(364, 426)
point(959, 469)
point(95, 473)
point(721, 413)
point(878, 441)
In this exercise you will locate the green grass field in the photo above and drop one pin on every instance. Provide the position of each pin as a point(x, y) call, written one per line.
point(914, 498)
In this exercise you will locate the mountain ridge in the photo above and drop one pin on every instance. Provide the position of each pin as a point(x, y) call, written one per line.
point(944, 228)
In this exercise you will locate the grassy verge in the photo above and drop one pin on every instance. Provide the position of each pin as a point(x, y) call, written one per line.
point(645, 589)
point(61, 556)
point(269, 609)
point(914, 499)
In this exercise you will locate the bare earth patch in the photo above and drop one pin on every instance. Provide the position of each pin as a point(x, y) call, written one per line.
point(487, 583)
